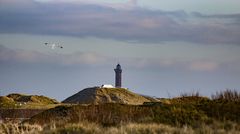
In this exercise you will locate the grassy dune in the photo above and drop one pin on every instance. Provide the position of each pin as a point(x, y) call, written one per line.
point(181, 115)
point(98, 95)
point(22, 101)
point(181, 111)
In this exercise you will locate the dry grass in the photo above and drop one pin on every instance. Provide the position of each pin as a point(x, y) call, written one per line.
point(129, 128)
point(193, 94)
point(10, 128)
point(228, 95)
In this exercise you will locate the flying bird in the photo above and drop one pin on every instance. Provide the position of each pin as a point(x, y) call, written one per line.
point(53, 46)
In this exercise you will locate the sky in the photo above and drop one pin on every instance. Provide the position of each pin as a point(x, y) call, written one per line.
point(165, 48)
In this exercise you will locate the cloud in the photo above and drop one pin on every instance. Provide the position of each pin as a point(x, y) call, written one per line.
point(20, 55)
point(203, 66)
point(27, 56)
point(89, 58)
point(116, 5)
point(196, 65)
point(101, 21)
point(218, 16)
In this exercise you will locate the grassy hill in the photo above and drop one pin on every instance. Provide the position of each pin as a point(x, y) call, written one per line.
point(97, 95)
point(32, 98)
point(179, 112)
point(6, 102)
point(25, 101)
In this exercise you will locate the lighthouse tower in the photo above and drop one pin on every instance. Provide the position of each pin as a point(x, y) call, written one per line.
point(118, 76)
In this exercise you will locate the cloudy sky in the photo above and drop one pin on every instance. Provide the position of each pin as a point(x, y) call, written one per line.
point(165, 47)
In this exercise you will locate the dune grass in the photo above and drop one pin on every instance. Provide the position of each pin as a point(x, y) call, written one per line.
point(185, 114)
point(227, 95)
point(10, 128)
point(124, 128)
point(188, 110)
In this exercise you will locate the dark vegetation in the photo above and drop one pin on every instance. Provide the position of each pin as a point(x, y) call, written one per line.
point(185, 110)
point(15, 114)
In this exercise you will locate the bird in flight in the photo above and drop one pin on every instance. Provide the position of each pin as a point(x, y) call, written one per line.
point(53, 46)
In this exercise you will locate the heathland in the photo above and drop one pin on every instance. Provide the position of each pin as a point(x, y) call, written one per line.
point(188, 113)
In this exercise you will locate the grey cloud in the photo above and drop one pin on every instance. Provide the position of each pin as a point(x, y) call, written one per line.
point(138, 25)
point(197, 65)
point(10, 55)
point(87, 59)
point(229, 19)
point(219, 16)
point(27, 56)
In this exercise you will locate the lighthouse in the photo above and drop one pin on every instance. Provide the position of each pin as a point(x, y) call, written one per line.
point(118, 76)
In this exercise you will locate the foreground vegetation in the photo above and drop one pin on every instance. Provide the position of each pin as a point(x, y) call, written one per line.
point(127, 128)
point(190, 110)
point(186, 114)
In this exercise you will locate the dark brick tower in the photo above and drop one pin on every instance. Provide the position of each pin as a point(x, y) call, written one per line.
point(118, 76)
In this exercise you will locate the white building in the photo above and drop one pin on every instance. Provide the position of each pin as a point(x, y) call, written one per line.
point(107, 86)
